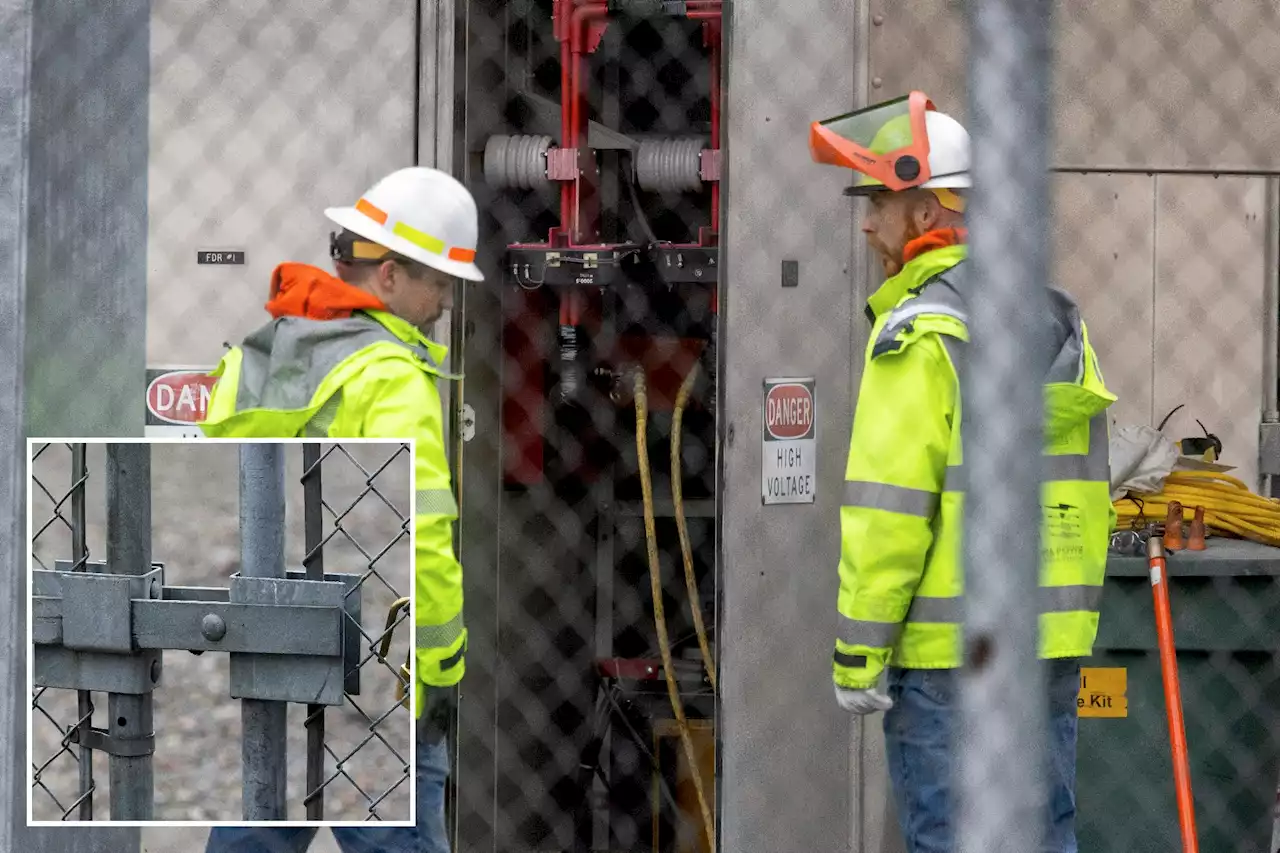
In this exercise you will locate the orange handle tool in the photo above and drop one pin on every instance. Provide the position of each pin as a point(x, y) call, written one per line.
point(1172, 694)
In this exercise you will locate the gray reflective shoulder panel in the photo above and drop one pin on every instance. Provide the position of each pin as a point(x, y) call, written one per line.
point(285, 361)
point(940, 295)
point(1068, 361)
point(321, 421)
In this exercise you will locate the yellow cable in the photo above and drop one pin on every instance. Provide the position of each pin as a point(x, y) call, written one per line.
point(1191, 474)
point(1214, 493)
point(677, 496)
point(1190, 499)
point(660, 622)
point(1228, 504)
point(1218, 525)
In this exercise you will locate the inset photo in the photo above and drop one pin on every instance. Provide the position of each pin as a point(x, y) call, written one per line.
point(220, 632)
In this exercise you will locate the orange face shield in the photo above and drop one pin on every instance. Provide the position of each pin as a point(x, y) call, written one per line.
point(887, 143)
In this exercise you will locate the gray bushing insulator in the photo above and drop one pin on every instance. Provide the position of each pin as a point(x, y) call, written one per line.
point(516, 162)
point(669, 165)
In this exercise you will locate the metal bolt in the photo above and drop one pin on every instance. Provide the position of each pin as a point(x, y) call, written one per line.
point(213, 627)
point(878, 20)
point(877, 82)
point(155, 588)
point(155, 672)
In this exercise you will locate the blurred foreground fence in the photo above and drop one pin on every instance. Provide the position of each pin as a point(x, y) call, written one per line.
point(324, 638)
point(617, 532)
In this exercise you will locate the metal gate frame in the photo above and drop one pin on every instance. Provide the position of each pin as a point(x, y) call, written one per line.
point(292, 636)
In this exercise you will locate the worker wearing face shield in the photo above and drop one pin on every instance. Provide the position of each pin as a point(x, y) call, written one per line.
point(901, 585)
point(347, 356)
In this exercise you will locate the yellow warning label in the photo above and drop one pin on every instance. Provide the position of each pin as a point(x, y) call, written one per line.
point(1102, 692)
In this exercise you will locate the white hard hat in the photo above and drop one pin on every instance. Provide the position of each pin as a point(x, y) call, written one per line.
point(900, 144)
point(948, 152)
point(423, 214)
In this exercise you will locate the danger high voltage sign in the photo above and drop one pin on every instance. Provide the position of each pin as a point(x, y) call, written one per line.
point(788, 447)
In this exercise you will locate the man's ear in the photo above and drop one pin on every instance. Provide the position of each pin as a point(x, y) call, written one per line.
point(386, 277)
point(927, 211)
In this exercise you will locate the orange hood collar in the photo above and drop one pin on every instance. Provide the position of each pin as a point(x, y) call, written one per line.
point(939, 239)
point(301, 290)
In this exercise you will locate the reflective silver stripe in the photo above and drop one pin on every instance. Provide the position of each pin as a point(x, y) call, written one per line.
point(1061, 599)
point(919, 306)
point(1065, 466)
point(1049, 599)
point(861, 493)
point(925, 610)
point(928, 609)
point(861, 632)
point(435, 502)
point(438, 636)
point(900, 319)
point(1094, 466)
point(284, 362)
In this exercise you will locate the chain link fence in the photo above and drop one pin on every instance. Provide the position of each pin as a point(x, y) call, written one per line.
point(588, 433)
point(346, 517)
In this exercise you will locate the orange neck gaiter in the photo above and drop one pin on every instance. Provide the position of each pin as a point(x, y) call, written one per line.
point(939, 238)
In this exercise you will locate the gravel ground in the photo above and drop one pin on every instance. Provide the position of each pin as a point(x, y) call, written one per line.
point(195, 534)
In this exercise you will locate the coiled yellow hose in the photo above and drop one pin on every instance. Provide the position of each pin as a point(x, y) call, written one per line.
point(660, 621)
point(1229, 507)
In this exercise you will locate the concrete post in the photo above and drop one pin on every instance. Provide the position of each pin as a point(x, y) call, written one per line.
point(74, 88)
point(778, 562)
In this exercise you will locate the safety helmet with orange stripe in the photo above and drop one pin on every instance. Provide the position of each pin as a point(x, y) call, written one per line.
point(897, 145)
point(417, 213)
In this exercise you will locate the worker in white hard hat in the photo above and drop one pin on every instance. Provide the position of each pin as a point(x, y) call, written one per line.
point(348, 356)
point(900, 602)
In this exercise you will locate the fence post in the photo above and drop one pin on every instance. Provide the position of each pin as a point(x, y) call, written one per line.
point(67, 178)
point(262, 529)
point(15, 31)
point(313, 562)
point(1001, 747)
point(129, 552)
point(79, 556)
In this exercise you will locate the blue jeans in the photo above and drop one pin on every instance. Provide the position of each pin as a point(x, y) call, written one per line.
point(429, 836)
point(919, 730)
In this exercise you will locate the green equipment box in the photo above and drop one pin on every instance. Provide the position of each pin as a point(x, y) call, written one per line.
point(1226, 621)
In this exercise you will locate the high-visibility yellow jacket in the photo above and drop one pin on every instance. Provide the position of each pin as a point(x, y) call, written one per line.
point(333, 366)
point(900, 600)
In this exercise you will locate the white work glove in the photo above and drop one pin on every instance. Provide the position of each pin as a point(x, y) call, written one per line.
point(862, 702)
